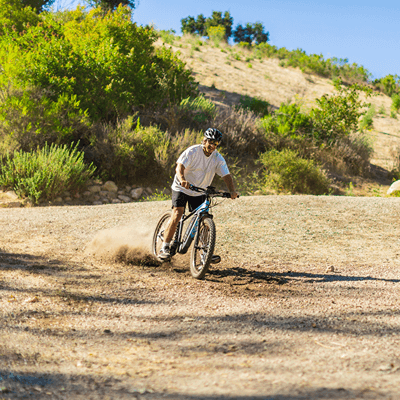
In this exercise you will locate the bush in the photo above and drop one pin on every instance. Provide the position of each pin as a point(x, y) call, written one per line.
point(29, 119)
point(168, 36)
point(286, 171)
point(130, 152)
point(395, 103)
point(367, 122)
point(338, 115)
point(106, 61)
point(216, 34)
point(350, 155)
point(14, 16)
point(243, 137)
point(255, 104)
point(45, 173)
point(288, 127)
point(199, 109)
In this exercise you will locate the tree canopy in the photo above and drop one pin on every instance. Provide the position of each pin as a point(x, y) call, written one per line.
point(250, 33)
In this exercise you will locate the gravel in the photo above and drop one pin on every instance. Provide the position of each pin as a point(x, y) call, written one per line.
point(304, 304)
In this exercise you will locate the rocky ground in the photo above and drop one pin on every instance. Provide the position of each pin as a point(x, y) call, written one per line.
point(304, 304)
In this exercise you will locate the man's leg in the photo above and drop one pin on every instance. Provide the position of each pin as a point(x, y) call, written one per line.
point(173, 223)
point(169, 232)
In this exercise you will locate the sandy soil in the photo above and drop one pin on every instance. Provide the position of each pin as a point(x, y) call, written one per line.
point(304, 304)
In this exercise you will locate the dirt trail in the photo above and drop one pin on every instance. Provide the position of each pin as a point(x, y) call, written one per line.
point(304, 304)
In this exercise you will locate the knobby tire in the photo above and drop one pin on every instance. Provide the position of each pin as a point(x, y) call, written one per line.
point(158, 235)
point(203, 248)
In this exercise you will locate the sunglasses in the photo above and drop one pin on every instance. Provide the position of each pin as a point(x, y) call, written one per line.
point(213, 142)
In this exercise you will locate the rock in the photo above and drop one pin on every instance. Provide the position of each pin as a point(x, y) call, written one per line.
point(11, 195)
point(121, 192)
point(96, 197)
point(125, 199)
point(166, 191)
point(136, 193)
point(128, 188)
point(394, 187)
point(149, 191)
point(111, 195)
point(67, 194)
point(110, 186)
point(116, 201)
point(14, 204)
point(331, 268)
point(87, 193)
point(68, 198)
point(94, 189)
point(97, 203)
point(258, 193)
point(58, 200)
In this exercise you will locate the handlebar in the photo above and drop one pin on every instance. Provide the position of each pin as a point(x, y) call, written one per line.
point(210, 191)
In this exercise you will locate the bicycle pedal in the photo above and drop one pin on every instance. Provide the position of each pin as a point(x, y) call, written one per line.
point(215, 259)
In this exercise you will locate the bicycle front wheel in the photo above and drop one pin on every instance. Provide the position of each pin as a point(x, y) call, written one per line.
point(203, 248)
point(158, 236)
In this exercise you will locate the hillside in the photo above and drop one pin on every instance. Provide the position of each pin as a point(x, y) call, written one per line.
point(224, 79)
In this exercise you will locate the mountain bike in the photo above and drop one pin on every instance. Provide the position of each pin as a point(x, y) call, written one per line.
point(201, 230)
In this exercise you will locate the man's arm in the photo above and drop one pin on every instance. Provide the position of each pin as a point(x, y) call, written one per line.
point(180, 173)
point(230, 185)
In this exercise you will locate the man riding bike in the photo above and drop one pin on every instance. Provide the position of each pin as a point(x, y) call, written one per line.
point(196, 166)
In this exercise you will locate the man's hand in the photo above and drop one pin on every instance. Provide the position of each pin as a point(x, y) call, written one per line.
point(185, 184)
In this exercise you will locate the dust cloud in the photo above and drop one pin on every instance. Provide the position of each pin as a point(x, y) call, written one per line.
point(127, 244)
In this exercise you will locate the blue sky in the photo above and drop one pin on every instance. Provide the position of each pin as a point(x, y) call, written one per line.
point(366, 32)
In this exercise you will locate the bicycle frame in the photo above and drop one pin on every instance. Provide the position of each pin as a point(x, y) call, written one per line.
point(182, 247)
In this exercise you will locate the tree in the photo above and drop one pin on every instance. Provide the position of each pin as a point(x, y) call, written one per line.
point(227, 22)
point(38, 5)
point(188, 25)
point(111, 5)
point(202, 24)
point(251, 33)
point(217, 20)
point(259, 36)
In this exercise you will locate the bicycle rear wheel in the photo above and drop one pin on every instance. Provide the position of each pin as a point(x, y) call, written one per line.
point(158, 236)
point(203, 248)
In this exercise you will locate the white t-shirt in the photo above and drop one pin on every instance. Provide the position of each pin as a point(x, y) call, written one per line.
point(199, 169)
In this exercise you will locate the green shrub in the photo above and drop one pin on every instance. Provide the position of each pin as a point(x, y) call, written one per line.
point(14, 16)
point(216, 34)
point(367, 122)
point(168, 36)
point(337, 115)
point(389, 84)
point(45, 173)
point(106, 61)
point(29, 119)
point(286, 171)
point(198, 108)
point(255, 104)
point(395, 103)
point(287, 127)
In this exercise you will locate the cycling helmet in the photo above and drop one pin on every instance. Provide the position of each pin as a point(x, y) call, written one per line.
point(213, 134)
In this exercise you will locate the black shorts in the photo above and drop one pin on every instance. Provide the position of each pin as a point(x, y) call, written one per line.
point(179, 199)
